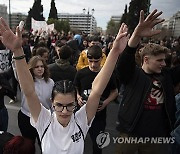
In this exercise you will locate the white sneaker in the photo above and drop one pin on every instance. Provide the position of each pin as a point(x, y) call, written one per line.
point(13, 101)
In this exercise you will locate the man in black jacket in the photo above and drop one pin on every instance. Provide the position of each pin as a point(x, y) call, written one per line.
point(62, 69)
point(147, 110)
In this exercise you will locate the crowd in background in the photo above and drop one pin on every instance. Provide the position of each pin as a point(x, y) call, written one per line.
point(63, 55)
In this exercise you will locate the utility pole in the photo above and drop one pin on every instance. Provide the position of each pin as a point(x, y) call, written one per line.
point(10, 13)
point(87, 21)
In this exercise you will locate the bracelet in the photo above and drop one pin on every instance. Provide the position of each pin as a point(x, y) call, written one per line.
point(19, 57)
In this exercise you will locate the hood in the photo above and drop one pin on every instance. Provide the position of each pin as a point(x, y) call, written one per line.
point(78, 38)
point(73, 44)
point(63, 64)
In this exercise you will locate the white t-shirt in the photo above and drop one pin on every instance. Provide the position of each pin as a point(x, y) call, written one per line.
point(43, 90)
point(59, 139)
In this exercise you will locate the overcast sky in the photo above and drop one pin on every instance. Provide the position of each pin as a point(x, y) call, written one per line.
point(104, 9)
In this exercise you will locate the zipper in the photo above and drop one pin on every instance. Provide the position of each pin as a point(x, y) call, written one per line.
point(140, 110)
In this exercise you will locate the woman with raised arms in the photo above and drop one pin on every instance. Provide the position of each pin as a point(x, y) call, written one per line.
point(62, 131)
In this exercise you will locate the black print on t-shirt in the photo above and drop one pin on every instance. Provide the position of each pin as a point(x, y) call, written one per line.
point(76, 137)
point(155, 98)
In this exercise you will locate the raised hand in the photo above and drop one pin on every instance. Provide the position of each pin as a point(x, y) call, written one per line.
point(8, 38)
point(145, 27)
point(121, 39)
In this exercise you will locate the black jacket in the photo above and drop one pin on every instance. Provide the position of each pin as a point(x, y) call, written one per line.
point(62, 70)
point(137, 87)
point(4, 82)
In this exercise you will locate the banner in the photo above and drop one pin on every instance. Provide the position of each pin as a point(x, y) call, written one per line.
point(4, 61)
point(50, 27)
point(37, 25)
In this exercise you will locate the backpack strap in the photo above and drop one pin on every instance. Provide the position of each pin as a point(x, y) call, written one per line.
point(46, 130)
point(79, 127)
point(45, 133)
point(80, 130)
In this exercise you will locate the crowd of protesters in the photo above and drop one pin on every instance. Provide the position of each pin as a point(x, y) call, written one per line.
point(62, 64)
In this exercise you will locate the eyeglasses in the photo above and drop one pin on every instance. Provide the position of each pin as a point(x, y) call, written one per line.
point(60, 107)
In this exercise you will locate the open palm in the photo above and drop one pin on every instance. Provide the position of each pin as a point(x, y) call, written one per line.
point(145, 27)
point(121, 39)
point(8, 38)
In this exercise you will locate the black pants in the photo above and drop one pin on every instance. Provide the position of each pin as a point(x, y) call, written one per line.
point(98, 125)
point(141, 148)
point(14, 84)
point(27, 130)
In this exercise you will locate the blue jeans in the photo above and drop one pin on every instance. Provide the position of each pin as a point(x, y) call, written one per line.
point(3, 119)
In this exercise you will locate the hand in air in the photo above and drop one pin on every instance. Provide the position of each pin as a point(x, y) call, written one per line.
point(8, 38)
point(121, 39)
point(145, 26)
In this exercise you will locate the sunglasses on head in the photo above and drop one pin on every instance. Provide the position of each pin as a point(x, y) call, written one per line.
point(93, 57)
point(94, 60)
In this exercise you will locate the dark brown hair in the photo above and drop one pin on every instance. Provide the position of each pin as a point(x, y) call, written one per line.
point(94, 52)
point(41, 50)
point(176, 60)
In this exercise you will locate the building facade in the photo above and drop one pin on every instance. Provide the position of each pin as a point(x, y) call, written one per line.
point(81, 22)
point(16, 18)
point(3, 12)
point(116, 19)
point(173, 25)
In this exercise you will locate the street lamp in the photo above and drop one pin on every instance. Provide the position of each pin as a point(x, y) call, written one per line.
point(88, 24)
